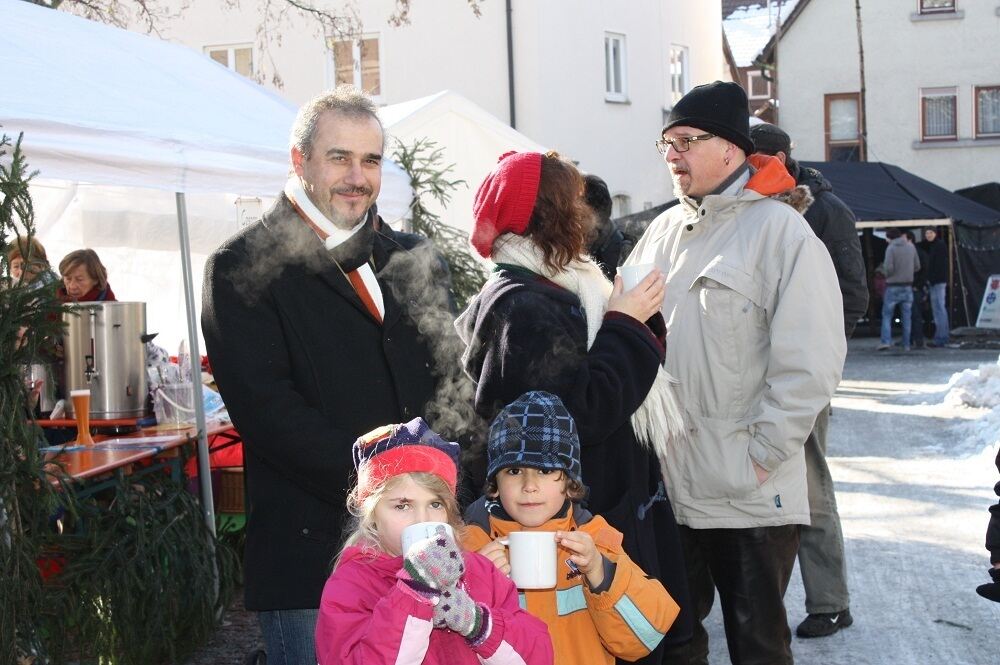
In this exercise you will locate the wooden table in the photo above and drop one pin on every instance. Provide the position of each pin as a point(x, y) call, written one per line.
point(92, 462)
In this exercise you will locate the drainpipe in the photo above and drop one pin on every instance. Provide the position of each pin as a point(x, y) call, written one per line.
point(510, 66)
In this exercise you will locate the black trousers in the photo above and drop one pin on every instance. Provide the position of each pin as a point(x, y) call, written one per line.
point(751, 569)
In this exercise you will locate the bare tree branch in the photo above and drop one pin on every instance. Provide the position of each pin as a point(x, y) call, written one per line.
point(331, 24)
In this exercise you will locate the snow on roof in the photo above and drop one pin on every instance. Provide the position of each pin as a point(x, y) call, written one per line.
point(749, 24)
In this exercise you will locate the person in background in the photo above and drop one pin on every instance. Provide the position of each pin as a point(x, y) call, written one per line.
point(919, 293)
point(606, 239)
point(937, 279)
point(821, 543)
point(29, 267)
point(901, 263)
point(435, 603)
point(84, 278)
point(29, 263)
point(991, 590)
point(756, 339)
point(534, 484)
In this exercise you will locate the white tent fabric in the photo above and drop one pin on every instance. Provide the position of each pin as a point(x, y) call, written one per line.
point(124, 120)
point(470, 137)
point(116, 122)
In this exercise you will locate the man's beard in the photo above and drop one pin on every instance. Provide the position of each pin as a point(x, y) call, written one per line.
point(678, 191)
point(344, 222)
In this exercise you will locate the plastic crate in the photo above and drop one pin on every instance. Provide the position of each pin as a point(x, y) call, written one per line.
point(231, 491)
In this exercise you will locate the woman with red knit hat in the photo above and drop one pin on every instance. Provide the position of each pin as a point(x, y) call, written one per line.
point(548, 319)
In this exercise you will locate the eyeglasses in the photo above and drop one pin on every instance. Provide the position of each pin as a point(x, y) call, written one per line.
point(682, 143)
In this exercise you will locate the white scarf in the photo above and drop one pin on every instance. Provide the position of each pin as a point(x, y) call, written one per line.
point(659, 417)
point(334, 236)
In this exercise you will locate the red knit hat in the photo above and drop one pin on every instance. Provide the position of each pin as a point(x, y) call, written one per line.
point(505, 199)
point(393, 450)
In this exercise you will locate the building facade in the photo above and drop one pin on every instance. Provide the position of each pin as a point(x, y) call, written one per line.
point(749, 26)
point(592, 79)
point(932, 75)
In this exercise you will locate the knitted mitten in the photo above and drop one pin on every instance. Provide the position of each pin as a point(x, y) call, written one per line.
point(435, 562)
point(456, 610)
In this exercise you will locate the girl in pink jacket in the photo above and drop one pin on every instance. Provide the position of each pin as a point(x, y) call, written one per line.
point(434, 603)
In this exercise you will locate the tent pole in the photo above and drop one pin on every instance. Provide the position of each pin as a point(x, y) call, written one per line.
point(950, 293)
point(204, 468)
point(961, 281)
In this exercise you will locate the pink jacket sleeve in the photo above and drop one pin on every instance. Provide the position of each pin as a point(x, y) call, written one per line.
point(515, 637)
point(355, 626)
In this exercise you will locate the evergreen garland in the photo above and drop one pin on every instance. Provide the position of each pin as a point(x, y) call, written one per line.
point(428, 178)
point(133, 574)
point(28, 317)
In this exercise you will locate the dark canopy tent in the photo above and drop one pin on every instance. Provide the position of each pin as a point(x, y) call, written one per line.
point(882, 195)
point(987, 194)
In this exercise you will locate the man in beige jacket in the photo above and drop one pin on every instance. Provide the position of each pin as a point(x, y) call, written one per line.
point(755, 337)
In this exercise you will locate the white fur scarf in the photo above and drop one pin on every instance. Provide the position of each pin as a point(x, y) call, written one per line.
point(659, 417)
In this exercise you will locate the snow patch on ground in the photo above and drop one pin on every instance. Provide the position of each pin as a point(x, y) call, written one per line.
point(978, 388)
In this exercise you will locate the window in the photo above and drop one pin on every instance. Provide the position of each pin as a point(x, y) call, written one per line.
point(615, 88)
point(758, 87)
point(356, 62)
point(679, 74)
point(238, 57)
point(988, 111)
point(621, 205)
point(938, 114)
point(936, 6)
point(843, 127)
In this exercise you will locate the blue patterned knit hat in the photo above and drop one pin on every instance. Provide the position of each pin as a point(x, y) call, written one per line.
point(534, 431)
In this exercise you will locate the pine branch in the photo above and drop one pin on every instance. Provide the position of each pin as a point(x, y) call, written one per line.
point(423, 162)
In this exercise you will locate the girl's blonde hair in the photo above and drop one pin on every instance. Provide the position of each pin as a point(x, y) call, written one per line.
point(362, 530)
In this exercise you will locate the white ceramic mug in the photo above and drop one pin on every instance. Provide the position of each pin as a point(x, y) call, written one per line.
point(421, 531)
point(632, 275)
point(532, 557)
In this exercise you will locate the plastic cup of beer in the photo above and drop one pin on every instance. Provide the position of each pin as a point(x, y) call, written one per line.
point(81, 408)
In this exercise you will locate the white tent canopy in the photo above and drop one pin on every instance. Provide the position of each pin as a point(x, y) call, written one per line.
point(123, 128)
point(109, 116)
point(470, 137)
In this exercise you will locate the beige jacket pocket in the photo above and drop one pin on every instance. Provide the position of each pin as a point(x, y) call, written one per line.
point(718, 461)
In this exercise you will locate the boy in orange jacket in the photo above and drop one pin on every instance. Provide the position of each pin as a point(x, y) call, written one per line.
point(603, 606)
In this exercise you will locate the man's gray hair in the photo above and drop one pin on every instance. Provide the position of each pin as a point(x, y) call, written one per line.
point(345, 100)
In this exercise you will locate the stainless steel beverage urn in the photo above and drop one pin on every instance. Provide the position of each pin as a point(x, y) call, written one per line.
point(105, 353)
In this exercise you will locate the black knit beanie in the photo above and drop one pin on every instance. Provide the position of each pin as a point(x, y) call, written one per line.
point(719, 108)
point(770, 139)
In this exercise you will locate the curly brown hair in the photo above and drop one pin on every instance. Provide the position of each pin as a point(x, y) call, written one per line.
point(560, 221)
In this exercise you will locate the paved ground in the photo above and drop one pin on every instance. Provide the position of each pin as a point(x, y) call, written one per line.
point(913, 490)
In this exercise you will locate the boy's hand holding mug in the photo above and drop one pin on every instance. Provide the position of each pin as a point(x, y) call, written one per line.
point(584, 555)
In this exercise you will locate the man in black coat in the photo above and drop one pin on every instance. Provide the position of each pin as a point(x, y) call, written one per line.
point(937, 281)
point(821, 545)
point(318, 328)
